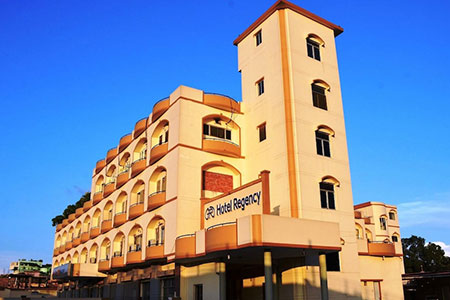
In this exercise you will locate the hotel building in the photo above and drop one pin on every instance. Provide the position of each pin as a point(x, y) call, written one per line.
point(212, 198)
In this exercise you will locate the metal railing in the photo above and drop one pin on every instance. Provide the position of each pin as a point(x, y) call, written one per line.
point(153, 243)
point(185, 236)
point(135, 248)
point(221, 225)
point(219, 139)
point(155, 193)
point(159, 144)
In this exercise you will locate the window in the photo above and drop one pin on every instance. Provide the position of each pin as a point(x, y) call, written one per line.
point(260, 85)
point(323, 143)
point(394, 238)
point(383, 223)
point(218, 132)
point(391, 215)
point(198, 291)
point(258, 38)
point(327, 195)
point(319, 98)
point(262, 132)
point(313, 49)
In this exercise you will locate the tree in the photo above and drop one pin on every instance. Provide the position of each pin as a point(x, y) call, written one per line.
point(70, 209)
point(419, 256)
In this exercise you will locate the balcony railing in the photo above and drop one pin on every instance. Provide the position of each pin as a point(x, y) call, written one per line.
point(221, 146)
point(136, 209)
point(158, 151)
point(222, 102)
point(138, 166)
point(156, 199)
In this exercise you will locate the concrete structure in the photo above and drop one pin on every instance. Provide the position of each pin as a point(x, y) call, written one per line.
point(31, 265)
point(210, 198)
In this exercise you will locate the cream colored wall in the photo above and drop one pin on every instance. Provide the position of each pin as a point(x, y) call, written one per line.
point(203, 274)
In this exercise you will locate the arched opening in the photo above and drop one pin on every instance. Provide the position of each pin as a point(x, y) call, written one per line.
point(108, 211)
point(219, 177)
point(70, 234)
point(392, 215)
point(137, 193)
point(359, 232)
point(135, 239)
point(156, 232)
point(68, 259)
point(119, 244)
point(96, 218)
point(221, 135)
point(93, 254)
point(124, 164)
point(86, 224)
point(77, 231)
point(158, 181)
point(121, 204)
point(75, 258)
point(140, 151)
point(369, 235)
point(99, 184)
point(319, 89)
point(56, 263)
point(105, 250)
point(111, 174)
point(383, 222)
point(160, 135)
point(84, 256)
point(395, 237)
point(58, 241)
point(64, 238)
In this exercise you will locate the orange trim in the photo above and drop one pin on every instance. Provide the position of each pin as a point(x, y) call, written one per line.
point(256, 230)
point(282, 4)
point(288, 117)
point(265, 191)
point(365, 204)
point(371, 279)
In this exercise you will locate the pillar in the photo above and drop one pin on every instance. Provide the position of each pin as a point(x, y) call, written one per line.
point(268, 275)
point(222, 280)
point(323, 276)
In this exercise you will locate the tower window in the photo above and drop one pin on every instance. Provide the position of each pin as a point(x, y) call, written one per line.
point(323, 143)
point(327, 195)
point(260, 86)
point(392, 215)
point(383, 223)
point(318, 95)
point(258, 38)
point(217, 132)
point(394, 238)
point(262, 132)
point(313, 49)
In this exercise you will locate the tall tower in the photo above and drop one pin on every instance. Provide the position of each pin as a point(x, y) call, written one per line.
point(290, 85)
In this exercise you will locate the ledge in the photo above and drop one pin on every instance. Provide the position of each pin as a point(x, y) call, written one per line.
point(120, 219)
point(158, 152)
point(135, 211)
point(138, 166)
point(108, 189)
point(160, 108)
point(140, 127)
point(100, 165)
point(154, 252)
point(156, 200)
point(122, 179)
point(134, 257)
point(222, 147)
point(106, 226)
point(124, 142)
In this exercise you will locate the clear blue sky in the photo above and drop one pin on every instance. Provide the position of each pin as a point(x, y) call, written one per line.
point(76, 75)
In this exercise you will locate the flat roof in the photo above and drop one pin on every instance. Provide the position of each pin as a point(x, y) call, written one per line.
point(282, 4)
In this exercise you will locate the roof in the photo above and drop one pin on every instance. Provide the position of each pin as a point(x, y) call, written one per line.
point(370, 203)
point(426, 275)
point(282, 4)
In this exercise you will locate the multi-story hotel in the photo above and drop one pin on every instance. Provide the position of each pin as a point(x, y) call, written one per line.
point(212, 198)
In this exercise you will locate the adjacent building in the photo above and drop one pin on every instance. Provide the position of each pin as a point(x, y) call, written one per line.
point(213, 198)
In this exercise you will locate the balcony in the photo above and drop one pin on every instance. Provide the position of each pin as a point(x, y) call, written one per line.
point(65, 222)
point(117, 261)
point(95, 231)
point(108, 189)
point(124, 142)
point(79, 212)
point(358, 215)
point(221, 237)
point(160, 108)
point(61, 249)
point(106, 226)
point(59, 227)
point(158, 151)
point(71, 217)
point(185, 246)
point(140, 127)
point(136, 210)
point(85, 237)
point(138, 166)
point(120, 218)
point(100, 165)
point(221, 146)
point(55, 251)
point(154, 251)
point(103, 265)
point(134, 256)
point(98, 196)
point(156, 200)
point(122, 178)
point(76, 241)
point(69, 245)
point(87, 205)
point(381, 249)
point(222, 102)
point(111, 154)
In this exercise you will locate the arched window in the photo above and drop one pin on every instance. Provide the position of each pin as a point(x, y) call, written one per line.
point(323, 134)
point(119, 244)
point(77, 231)
point(108, 211)
point(111, 174)
point(369, 236)
point(137, 193)
point(86, 224)
point(93, 254)
point(75, 257)
point(160, 134)
point(313, 44)
point(70, 235)
point(121, 204)
point(84, 256)
point(99, 184)
point(124, 164)
point(135, 239)
point(327, 188)
point(105, 250)
point(392, 215)
point(319, 97)
point(156, 232)
point(395, 238)
point(359, 232)
point(383, 222)
point(96, 218)
point(140, 151)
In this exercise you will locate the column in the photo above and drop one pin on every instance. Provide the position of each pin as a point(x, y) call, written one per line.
point(323, 276)
point(222, 280)
point(268, 275)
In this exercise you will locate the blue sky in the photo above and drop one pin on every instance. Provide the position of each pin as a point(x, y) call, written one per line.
point(76, 75)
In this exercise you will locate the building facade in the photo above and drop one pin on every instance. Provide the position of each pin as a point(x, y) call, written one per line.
point(211, 198)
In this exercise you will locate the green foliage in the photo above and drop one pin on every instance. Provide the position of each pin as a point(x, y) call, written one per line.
point(70, 209)
point(419, 256)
